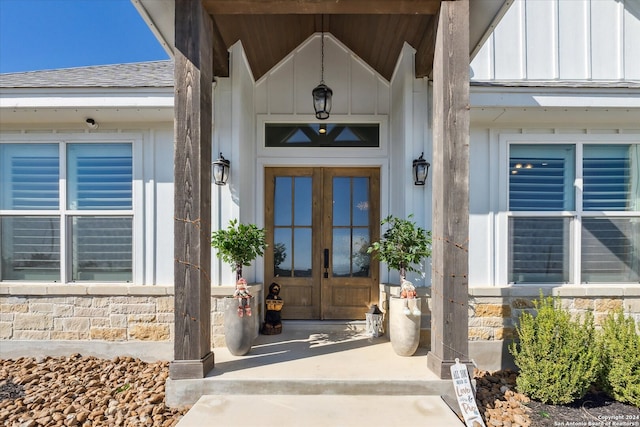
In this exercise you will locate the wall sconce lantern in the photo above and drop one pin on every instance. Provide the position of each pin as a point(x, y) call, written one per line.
point(322, 93)
point(221, 170)
point(373, 321)
point(420, 170)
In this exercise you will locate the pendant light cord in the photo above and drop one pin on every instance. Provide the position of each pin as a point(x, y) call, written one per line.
point(321, 48)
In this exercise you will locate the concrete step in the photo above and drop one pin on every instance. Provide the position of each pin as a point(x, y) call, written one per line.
point(314, 358)
point(319, 411)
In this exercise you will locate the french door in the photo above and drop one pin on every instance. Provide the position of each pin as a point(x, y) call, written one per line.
point(320, 222)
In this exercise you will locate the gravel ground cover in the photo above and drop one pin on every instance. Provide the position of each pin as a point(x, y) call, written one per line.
point(84, 391)
point(87, 391)
point(503, 406)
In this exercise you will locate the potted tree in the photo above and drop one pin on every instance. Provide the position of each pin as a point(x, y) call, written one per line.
point(238, 245)
point(402, 247)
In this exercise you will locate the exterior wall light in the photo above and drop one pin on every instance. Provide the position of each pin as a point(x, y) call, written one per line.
point(221, 170)
point(420, 170)
point(322, 93)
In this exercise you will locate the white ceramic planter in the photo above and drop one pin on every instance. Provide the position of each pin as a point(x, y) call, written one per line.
point(404, 329)
point(238, 331)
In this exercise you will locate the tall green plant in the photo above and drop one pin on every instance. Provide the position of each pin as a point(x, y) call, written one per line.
point(239, 244)
point(620, 345)
point(403, 246)
point(557, 356)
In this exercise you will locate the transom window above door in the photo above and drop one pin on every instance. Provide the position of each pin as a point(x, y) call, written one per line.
point(322, 135)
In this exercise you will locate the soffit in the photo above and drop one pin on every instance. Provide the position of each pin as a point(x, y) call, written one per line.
point(375, 30)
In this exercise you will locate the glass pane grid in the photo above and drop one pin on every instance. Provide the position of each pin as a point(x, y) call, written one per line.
point(606, 184)
point(30, 248)
point(31, 180)
point(102, 248)
point(536, 184)
point(610, 250)
point(538, 250)
point(100, 177)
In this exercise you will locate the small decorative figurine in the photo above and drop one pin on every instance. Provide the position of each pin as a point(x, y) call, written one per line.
point(243, 295)
point(272, 320)
point(408, 292)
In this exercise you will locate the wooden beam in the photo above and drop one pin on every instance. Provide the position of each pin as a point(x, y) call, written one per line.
point(278, 7)
point(192, 190)
point(450, 166)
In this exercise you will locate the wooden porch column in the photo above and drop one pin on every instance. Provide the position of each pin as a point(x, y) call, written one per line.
point(193, 79)
point(449, 291)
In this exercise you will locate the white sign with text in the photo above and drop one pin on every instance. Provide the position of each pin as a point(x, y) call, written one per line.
point(464, 393)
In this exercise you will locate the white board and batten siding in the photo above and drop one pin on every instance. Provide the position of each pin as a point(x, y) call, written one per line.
point(570, 40)
point(367, 92)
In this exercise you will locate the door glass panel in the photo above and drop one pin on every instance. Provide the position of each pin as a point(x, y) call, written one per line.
point(360, 201)
point(282, 252)
point(282, 202)
point(292, 226)
point(350, 226)
point(341, 252)
point(302, 254)
point(302, 200)
point(341, 201)
point(361, 260)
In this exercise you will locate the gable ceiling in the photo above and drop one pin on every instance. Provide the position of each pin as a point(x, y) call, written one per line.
point(375, 30)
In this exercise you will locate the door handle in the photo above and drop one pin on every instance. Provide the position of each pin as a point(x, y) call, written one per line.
point(326, 263)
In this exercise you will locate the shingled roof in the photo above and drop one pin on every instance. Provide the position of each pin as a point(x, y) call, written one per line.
point(135, 75)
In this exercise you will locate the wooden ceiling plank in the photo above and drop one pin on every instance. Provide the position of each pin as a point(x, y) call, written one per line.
point(426, 49)
point(220, 53)
point(277, 7)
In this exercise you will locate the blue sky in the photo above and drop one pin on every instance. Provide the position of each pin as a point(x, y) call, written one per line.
point(50, 34)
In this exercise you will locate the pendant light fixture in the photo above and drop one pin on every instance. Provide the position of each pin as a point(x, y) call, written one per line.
point(322, 93)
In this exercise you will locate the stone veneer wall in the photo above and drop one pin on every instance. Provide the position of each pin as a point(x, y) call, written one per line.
point(99, 313)
point(494, 312)
point(145, 314)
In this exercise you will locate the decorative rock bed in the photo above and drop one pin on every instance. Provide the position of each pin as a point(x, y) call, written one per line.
point(84, 391)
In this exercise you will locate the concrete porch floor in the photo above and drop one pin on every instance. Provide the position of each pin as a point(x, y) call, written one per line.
point(315, 364)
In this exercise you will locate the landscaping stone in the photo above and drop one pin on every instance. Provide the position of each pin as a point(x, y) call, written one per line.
point(84, 391)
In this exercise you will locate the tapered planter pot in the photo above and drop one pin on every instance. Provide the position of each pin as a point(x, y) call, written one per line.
point(404, 329)
point(238, 331)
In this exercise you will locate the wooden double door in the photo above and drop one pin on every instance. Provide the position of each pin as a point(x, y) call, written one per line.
point(320, 222)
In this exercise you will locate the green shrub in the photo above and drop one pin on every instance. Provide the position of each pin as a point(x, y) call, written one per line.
point(620, 347)
point(558, 357)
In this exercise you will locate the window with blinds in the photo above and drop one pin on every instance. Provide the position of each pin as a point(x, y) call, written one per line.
point(96, 210)
point(99, 177)
point(541, 181)
point(541, 178)
point(610, 245)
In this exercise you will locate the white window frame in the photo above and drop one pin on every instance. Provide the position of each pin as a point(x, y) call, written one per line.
point(136, 212)
point(502, 218)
